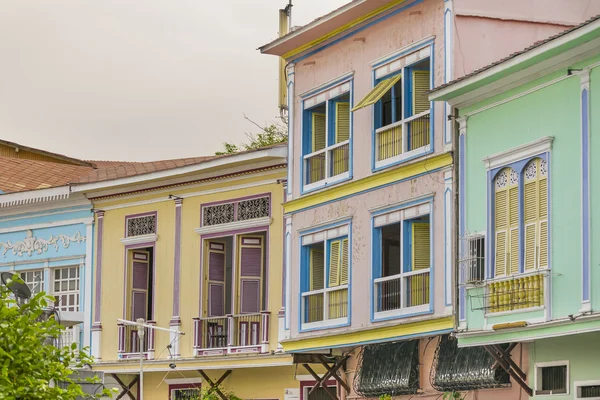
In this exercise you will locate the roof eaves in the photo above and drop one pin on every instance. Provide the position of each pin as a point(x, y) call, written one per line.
point(46, 153)
point(35, 196)
point(447, 90)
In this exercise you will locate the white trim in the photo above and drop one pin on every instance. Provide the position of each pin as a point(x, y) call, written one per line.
point(325, 85)
point(397, 64)
point(579, 384)
point(555, 43)
point(183, 381)
point(49, 259)
point(242, 158)
point(345, 220)
point(66, 222)
point(87, 297)
point(324, 324)
point(44, 209)
point(182, 365)
point(538, 379)
point(393, 56)
point(519, 153)
point(182, 195)
point(397, 216)
point(403, 156)
point(232, 226)
point(152, 237)
point(401, 312)
point(34, 196)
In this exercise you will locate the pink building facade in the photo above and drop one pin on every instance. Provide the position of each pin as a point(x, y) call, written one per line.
point(370, 241)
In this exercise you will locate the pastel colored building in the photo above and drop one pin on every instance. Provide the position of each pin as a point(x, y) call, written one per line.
point(46, 233)
point(528, 266)
point(196, 246)
point(369, 211)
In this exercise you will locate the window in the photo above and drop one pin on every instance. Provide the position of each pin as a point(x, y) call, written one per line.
point(402, 112)
point(473, 264)
point(403, 265)
point(142, 225)
point(184, 392)
point(326, 269)
point(587, 390)
point(535, 210)
point(552, 378)
point(243, 210)
point(66, 288)
point(34, 279)
point(326, 144)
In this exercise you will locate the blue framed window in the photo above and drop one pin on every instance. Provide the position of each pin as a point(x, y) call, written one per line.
point(402, 267)
point(402, 113)
point(324, 285)
point(326, 142)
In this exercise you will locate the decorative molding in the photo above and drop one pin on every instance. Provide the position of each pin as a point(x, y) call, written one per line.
point(34, 196)
point(128, 241)
point(518, 153)
point(234, 226)
point(462, 125)
point(65, 222)
point(326, 85)
point(31, 244)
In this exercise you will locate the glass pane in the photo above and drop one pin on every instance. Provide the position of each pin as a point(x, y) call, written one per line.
point(71, 299)
point(398, 100)
point(57, 274)
point(72, 285)
point(65, 273)
point(56, 286)
point(386, 109)
point(63, 286)
point(391, 250)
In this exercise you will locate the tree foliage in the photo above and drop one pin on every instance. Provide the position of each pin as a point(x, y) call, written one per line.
point(31, 366)
point(275, 133)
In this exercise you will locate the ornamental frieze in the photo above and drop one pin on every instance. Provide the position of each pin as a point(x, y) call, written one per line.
point(33, 245)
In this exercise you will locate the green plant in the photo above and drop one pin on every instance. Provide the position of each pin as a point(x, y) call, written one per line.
point(31, 366)
point(385, 397)
point(453, 395)
point(269, 135)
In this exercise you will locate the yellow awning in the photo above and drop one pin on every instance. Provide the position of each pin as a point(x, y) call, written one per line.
point(377, 92)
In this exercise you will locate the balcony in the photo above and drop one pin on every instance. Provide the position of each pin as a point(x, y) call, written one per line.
point(327, 165)
point(399, 294)
point(129, 343)
point(517, 292)
point(231, 334)
point(67, 337)
point(325, 307)
point(403, 139)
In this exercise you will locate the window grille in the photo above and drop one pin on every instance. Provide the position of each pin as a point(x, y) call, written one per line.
point(185, 394)
point(553, 380)
point(253, 208)
point(138, 226)
point(242, 210)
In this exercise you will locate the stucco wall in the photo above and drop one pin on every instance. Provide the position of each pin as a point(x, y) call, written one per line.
point(113, 261)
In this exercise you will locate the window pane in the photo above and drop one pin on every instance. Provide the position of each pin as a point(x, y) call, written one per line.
point(391, 250)
point(386, 108)
point(398, 100)
point(554, 379)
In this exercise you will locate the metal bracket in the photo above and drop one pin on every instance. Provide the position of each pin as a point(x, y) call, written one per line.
point(503, 359)
point(126, 388)
point(214, 386)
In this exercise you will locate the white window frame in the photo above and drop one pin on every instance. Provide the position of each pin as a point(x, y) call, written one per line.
point(578, 384)
point(325, 97)
point(68, 292)
point(538, 376)
point(30, 284)
point(399, 217)
point(324, 237)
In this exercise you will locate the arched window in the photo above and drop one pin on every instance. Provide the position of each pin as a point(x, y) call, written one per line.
point(506, 213)
point(535, 212)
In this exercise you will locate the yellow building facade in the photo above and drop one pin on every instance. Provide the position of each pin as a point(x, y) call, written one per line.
point(198, 250)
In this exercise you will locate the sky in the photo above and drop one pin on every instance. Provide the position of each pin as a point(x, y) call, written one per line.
point(139, 80)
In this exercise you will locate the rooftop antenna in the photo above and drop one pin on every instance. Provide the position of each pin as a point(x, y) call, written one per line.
point(141, 328)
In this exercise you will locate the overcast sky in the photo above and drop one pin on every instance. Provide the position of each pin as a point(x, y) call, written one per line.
point(138, 80)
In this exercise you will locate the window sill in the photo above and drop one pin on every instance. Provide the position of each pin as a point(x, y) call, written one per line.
point(402, 313)
point(128, 241)
point(401, 158)
point(515, 311)
point(330, 323)
point(326, 183)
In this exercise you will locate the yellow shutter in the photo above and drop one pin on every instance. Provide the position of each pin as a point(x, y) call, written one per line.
point(334, 263)
point(420, 99)
point(514, 250)
point(543, 256)
point(543, 229)
point(530, 247)
point(420, 245)
point(319, 132)
point(377, 92)
point(317, 269)
point(513, 220)
point(342, 122)
point(500, 253)
point(344, 263)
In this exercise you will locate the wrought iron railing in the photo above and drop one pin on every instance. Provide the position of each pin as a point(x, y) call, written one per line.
point(403, 136)
point(325, 304)
point(232, 334)
point(389, 290)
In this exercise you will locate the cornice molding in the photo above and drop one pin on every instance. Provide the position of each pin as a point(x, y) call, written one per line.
point(234, 226)
point(128, 241)
point(518, 153)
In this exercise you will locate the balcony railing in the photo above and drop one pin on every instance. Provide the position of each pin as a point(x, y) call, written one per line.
point(516, 292)
point(67, 337)
point(129, 343)
point(243, 333)
point(329, 163)
point(389, 290)
point(325, 304)
point(410, 134)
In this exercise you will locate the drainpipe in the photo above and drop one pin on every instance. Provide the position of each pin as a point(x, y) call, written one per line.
point(455, 189)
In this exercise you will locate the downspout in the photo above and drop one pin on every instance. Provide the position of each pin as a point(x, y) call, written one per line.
point(455, 189)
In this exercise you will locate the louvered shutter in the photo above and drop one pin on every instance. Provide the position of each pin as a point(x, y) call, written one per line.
point(342, 121)
point(420, 246)
point(501, 228)
point(317, 269)
point(420, 99)
point(139, 275)
point(319, 132)
point(250, 296)
point(513, 219)
point(139, 305)
point(251, 261)
point(216, 279)
point(344, 263)
point(334, 263)
point(543, 210)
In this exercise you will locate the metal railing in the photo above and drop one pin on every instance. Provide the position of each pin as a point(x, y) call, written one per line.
point(516, 292)
point(232, 333)
point(67, 338)
point(403, 136)
point(388, 291)
point(129, 343)
point(327, 163)
point(325, 304)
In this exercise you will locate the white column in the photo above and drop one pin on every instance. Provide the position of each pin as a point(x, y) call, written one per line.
point(290, 99)
point(87, 284)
